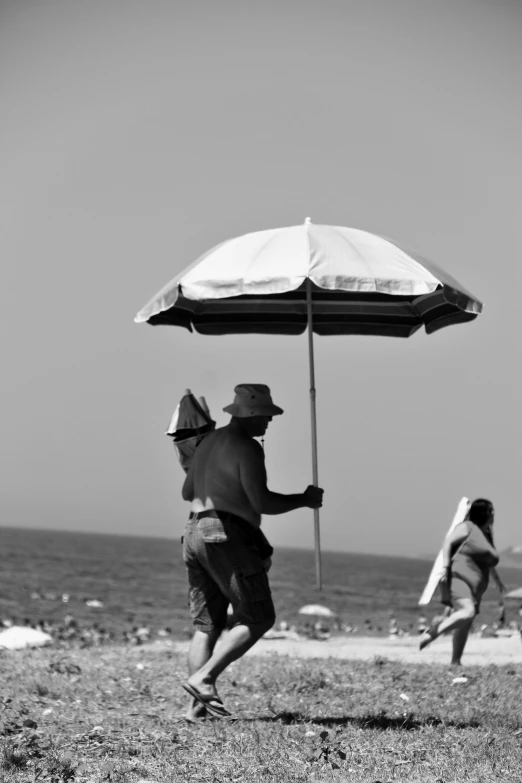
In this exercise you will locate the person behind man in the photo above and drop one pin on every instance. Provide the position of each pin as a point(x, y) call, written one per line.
point(469, 555)
point(226, 556)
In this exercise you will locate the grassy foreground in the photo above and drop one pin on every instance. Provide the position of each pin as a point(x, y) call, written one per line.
point(113, 714)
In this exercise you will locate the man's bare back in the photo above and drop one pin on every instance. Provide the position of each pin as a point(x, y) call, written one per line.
point(228, 474)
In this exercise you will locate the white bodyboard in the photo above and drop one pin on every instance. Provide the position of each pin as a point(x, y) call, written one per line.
point(438, 570)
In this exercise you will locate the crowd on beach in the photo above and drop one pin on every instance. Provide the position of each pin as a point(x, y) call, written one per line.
point(322, 630)
point(70, 632)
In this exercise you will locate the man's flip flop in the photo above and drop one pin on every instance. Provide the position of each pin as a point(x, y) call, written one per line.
point(212, 702)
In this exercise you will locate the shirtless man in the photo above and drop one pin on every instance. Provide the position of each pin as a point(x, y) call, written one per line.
point(226, 555)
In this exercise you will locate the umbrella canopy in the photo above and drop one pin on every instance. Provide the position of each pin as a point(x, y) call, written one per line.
point(317, 610)
point(190, 423)
point(191, 417)
point(517, 594)
point(361, 283)
point(327, 279)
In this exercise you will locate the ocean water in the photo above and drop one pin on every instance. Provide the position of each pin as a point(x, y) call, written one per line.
point(141, 581)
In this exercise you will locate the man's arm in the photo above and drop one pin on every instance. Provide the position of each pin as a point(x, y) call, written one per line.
point(252, 474)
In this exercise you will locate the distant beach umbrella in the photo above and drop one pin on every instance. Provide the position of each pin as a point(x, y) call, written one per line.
point(330, 280)
point(17, 637)
point(316, 610)
point(516, 594)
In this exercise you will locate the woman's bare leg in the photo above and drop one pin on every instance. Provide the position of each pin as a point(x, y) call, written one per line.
point(462, 617)
point(460, 637)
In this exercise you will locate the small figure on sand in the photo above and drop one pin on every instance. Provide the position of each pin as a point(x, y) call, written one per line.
point(469, 556)
point(226, 555)
point(422, 624)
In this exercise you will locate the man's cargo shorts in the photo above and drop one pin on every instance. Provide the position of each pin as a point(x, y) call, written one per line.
point(224, 567)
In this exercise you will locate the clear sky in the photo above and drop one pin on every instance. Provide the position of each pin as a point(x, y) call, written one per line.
point(137, 135)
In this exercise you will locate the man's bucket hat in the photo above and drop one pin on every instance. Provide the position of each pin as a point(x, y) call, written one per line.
point(252, 399)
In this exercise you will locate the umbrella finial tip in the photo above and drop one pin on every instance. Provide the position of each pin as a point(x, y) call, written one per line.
point(307, 221)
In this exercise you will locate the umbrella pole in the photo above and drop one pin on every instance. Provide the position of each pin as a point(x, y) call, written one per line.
point(313, 413)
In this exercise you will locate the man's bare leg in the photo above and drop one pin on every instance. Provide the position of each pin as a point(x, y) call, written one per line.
point(234, 645)
point(200, 651)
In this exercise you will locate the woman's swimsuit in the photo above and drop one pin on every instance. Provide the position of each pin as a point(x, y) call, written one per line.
point(470, 567)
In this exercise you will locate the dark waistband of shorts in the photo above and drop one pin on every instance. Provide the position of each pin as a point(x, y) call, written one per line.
point(225, 516)
point(251, 534)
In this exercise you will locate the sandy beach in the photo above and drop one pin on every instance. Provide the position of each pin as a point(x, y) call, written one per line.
point(479, 652)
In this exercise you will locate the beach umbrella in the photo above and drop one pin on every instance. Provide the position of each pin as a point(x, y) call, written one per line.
point(19, 636)
point(516, 594)
point(317, 610)
point(330, 280)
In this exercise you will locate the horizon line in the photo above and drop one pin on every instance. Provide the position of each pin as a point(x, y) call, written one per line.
point(166, 538)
